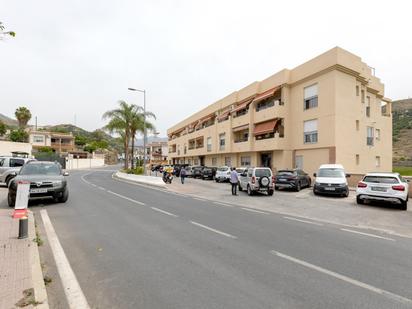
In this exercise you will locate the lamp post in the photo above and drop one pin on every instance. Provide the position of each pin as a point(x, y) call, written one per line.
point(144, 126)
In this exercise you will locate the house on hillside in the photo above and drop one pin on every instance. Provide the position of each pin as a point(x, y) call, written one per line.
point(59, 142)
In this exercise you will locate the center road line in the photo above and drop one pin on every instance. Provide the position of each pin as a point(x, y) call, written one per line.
point(223, 204)
point(304, 221)
point(355, 282)
point(74, 293)
point(126, 198)
point(199, 199)
point(367, 234)
point(254, 210)
point(164, 212)
point(101, 188)
point(213, 230)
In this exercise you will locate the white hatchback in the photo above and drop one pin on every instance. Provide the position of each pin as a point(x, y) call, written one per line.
point(389, 187)
point(222, 174)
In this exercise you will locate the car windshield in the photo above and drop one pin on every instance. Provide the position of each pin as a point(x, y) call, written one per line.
point(222, 169)
point(40, 169)
point(331, 172)
point(288, 173)
point(240, 170)
point(262, 172)
point(381, 179)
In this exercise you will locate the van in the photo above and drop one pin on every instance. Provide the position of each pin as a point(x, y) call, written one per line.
point(331, 179)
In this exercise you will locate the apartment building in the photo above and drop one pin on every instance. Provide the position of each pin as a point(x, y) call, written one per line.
point(331, 109)
point(157, 152)
point(59, 142)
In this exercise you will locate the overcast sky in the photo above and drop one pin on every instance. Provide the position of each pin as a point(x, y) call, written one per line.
point(78, 57)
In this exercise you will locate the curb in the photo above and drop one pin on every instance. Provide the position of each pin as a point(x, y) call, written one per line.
point(40, 294)
point(116, 175)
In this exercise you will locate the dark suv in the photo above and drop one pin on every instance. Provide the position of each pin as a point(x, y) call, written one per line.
point(209, 173)
point(292, 179)
point(46, 181)
point(197, 171)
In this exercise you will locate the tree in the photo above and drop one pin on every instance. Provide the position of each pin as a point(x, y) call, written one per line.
point(45, 149)
point(3, 128)
point(23, 116)
point(90, 148)
point(4, 33)
point(80, 140)
point(18, 135)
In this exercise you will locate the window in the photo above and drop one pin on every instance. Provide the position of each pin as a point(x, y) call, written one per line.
point(265, 104)
point(357, 125)
point(214, 161)
point(222, 141)
point(38, 139)
point(16, 162)
point(357, 91)
point(378, 161)
point(368, 111)
point(190, 161)
point(245, 161)
point(310, 131)
point(228, 161)
point(310, 96)
point(2, 162)
point(241, 136)
point(370, 134)
point(299, 162)
point(357, 159)
point(378, 134)
point(209, 144)
point(363, 96)
point(185, 149)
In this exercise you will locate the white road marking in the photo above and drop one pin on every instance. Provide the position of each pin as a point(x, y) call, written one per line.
point(367, 234)
point(304, 221)
point(74, 293)
point(254, 210)
point(199, 199)
point(223, 204)
point(213, 230)
point(92, 184)
point(345, 278)
point(101, 188)
point(126, 198)
point(164, 212)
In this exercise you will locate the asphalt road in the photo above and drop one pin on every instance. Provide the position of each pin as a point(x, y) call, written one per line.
point(135, 247)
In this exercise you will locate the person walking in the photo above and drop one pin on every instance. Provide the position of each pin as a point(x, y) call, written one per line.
point(182, 175)
point(234, 179)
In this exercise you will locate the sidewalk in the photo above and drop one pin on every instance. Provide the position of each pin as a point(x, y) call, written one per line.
point(21, 278)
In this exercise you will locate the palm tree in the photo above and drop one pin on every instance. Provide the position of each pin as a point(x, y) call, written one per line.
point(23, 116)
point(119, 122)
point(137, 126)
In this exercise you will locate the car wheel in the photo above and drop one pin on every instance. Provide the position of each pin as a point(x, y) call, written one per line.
point(346, 193)
point(11, 200)
point(270, 192)
point(298, 186)
point(309, 183)
point(359, 201)
point(249, 191)
point(64, 197)
point(240, 187)
point(314, 192)
point(8, 179)
point(277, 188)
point(404, 205)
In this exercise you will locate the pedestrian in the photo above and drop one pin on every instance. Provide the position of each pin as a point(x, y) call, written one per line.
point(182, 175)
point(234, 180)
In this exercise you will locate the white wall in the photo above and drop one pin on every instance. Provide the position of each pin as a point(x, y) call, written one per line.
point(7, 147)
point(72, 164)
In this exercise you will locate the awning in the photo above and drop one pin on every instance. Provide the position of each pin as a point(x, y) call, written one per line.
point(241, 106)
point(207, 118)
point(267, 94)
point(223, 115)
point(244, 127)
point(265, 127)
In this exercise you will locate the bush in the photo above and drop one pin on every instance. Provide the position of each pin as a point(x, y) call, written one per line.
point(46, 149)
point(136, 171)
point(18, 136)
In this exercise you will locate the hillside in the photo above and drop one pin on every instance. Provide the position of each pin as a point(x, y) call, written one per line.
point(8, 121)
point(402, 130)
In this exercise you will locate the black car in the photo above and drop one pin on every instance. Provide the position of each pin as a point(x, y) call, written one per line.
point(292, 179)
point(46, 181)
point(197, 171)
point(209, 173)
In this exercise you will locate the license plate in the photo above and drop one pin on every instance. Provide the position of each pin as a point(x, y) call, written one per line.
point(280, 179)
point(38, 190)
point(380, 189)
point(330, 189)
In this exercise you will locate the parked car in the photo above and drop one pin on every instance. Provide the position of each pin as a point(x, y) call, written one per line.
point(10, 166)
point(209, 173)
point(197, 171)
point(331, 179)
point(189, 171)
point(46, 181)
point(156, 168)
point(222, 174)
point(257, 179)
point(390, 187)
point(240, 170)
point(292, 179)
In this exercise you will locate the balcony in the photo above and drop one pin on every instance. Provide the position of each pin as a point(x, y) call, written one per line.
point(241, 146)
point(274, 111)
point(241, 120)
point(269, 144)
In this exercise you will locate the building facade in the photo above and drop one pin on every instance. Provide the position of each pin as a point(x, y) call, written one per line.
point(331, 109)
point(157, 152)
point(59, 142)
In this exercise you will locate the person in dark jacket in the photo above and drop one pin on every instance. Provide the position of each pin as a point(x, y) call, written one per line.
point(182, 175)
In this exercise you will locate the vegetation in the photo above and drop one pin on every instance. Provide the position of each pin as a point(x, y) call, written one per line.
point(18, 135)
point(5, 33)
point(136, 171)
point(23, 115)
point(46, 149)
point(3, 128)
point(403, 170)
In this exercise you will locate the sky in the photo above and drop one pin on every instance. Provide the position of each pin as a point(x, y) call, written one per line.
point(73, 60)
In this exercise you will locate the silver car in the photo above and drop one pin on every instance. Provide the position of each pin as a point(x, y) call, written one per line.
point(9, 167)
point(257, 179)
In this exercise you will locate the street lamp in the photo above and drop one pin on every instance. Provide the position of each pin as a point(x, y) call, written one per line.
point(144, 126)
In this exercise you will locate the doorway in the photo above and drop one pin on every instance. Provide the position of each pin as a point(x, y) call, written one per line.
point(202, 160)
point(266, 159)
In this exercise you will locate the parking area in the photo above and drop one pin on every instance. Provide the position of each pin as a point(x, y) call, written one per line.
point(338, 210)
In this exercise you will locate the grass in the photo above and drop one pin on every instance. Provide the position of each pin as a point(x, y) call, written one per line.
point(403, 170)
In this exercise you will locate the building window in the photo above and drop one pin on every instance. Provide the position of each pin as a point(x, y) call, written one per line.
point(245, 161)
point(185, 149)
point(38, 139)
point(228, 161)
point(370, 135)
point(357, 91)
point(368, 110)
point(357, 159)
point(241, 136)
point(265, 104)
point(299, 162)
point(363, 96)
point(196, 161)
point(222, 141)
point(357, 125)
point(214, 161)
point(378, 161)
point(209, 144)
point(378, 134)
point(310, 131)
point(189, 161)
point(310, 97)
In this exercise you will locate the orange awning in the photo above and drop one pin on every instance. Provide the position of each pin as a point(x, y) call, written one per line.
point(207, 118)
point(241, 106)
point(223, 115)
point(244, 127)
point(267, 94)
point(265, 127)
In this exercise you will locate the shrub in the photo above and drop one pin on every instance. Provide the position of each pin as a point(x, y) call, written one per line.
point(136, 171)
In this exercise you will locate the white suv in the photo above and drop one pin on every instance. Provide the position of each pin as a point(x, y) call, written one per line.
point(222, 174)
point(389, 187)
point(9, 167)
point(257, 179)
